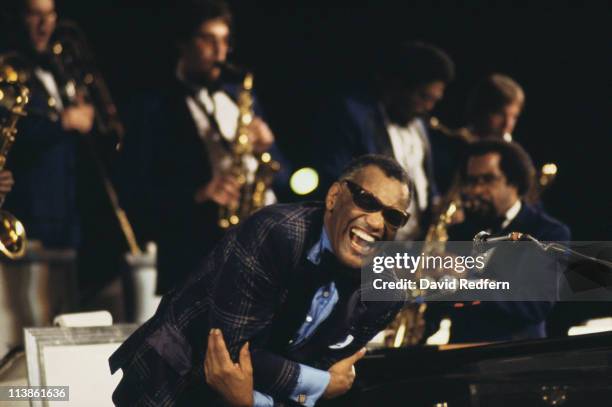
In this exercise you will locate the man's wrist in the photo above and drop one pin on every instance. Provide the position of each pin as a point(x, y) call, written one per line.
point(262, 400)
point(311, 385)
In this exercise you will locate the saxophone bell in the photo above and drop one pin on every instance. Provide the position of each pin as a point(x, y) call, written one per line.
point(13, 99)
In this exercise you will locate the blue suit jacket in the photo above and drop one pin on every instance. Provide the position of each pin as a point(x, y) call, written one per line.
point(495, 320)
point(44, 163)
point(354, 125)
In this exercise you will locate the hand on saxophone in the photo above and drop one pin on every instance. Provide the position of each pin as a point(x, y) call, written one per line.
point(260, 135)
point(6, 183)
point(79, 118)
point(222, 189)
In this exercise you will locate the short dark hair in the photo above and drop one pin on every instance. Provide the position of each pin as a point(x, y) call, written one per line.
point(388, 165)
point(514, 162)
point(491, 94)
point(416, 63)
point(192, 13)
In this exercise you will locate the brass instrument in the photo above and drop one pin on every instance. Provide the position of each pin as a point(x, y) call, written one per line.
point(408, 326)
point(13, 98)
point(462, 133)
point(543, 178)
point(82, 82)
point(81, 79)
point(252, 192)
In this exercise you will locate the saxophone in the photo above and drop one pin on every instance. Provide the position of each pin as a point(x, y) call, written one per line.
point(252, 192)
point(463, 133)
point(409, 325)
point(13, 99)
point(542, 180)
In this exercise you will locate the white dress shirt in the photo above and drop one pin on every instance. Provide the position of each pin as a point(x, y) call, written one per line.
point(48, 81)
point(225, 111)
point(512, 213)
point(409, 149)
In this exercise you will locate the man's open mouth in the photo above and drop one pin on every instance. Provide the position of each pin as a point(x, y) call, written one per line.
point(361, 240)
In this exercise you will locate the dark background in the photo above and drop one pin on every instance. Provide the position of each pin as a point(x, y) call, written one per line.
point(300, 52)
point(560, 54)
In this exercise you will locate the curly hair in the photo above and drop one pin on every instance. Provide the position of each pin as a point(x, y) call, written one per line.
point(515, 163)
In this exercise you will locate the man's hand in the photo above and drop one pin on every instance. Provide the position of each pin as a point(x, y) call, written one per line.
point(222, 189)
point(6, 183)
point(260, 135)
point(79, 118)
point(233, 381)
point(342, 375)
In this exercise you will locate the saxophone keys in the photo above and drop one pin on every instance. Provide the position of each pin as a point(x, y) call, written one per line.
point(243, 139)
point(246, 119)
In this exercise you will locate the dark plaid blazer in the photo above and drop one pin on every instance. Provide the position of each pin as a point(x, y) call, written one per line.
point(243, 288)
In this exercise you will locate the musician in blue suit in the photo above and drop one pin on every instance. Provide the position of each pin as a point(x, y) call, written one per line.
point(388, 119)
point(45, 155)
point(496, 176)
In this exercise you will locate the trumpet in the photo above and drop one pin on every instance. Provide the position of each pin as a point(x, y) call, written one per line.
point(13, 99)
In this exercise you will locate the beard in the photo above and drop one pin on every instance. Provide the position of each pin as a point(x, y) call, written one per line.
point(481, 213)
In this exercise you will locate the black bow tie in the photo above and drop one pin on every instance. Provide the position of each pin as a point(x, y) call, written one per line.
point(44, 61)
point(497, 225)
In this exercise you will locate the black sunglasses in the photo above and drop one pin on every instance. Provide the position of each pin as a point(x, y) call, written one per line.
point(368, 202)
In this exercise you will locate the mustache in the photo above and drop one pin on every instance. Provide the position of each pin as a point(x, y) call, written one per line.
point(476, 204)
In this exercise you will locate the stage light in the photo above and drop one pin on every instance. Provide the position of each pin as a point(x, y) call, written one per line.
point(304, 181)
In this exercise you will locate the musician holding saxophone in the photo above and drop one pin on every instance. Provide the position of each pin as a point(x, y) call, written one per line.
point(190, 139)
point(45, 151)
point(494, 106)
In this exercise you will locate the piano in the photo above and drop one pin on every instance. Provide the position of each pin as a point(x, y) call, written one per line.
point(571, 371)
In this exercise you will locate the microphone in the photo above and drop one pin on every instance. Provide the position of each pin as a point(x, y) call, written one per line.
point(483, 239)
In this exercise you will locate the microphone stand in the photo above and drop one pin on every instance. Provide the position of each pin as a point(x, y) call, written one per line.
point(483, 238)
point(558, 248)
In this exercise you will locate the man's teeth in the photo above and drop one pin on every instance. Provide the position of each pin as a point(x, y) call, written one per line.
point(363, 235)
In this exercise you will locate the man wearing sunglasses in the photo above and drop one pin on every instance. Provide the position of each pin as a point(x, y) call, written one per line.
point(496, 176)
point(286, 281)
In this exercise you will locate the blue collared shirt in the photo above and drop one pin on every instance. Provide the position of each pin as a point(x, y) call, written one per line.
point(311, 382)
